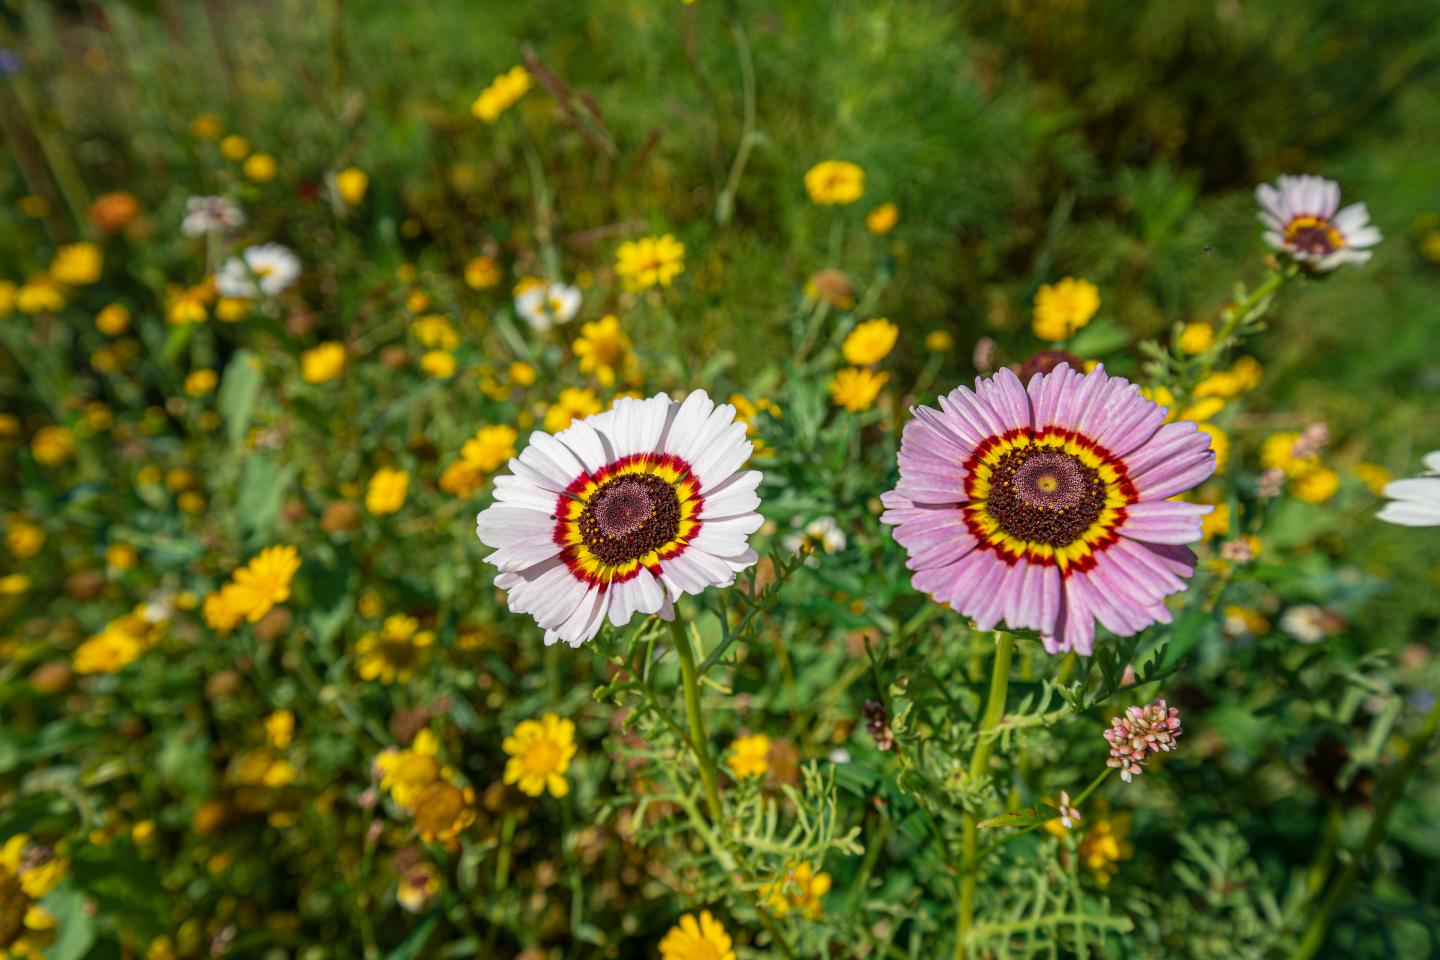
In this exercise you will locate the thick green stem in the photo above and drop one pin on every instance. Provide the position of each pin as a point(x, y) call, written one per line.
point(979, 765)
point(699, 740)
point(1314, 936)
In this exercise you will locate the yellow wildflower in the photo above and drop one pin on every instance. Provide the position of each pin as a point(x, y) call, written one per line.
point(522, 374)
point(205, 126)
point(603, 348)
point(1196, 338)
point(502, 94)
point(1216, 523)
point(702, 939)
point(1219, 442)
point(233, 309)
point(395, 652)
point(189, 305)
point(572, 403)
point(351, 183)
point(386, 491)
point(1063, 308)
point(265, 581)
point(1243, 375)
point(260, 167)
point(1316, 485)
point(749, 756)
point(650, 262)
point(323, 362)
point(855, 388)
point(112, 320)
point(52, 445)
point(870, 342)
point(441, 811)
point(434, 331)
point(234, 147)
point(833, 182)
point(417, 888)
point(482, 273)
point(280, 728)
point(201, 382)
point(121, 556)
point(798, 890)
point(540, 753)
point(939, 341)
point(1374, 476)
point(40, 295)
point(111, 650)
point(490, 447)
point(403, 772)
point(438, 364)
point(882, 219)
point(1105, 845)
point(76, 264)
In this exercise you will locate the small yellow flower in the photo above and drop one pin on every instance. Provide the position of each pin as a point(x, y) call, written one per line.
point(260, 167)
point(201, 382)
point(265, 581)
point(749, 756)
point(522, 374)
point(482, 273)
point(939, 341)
point(205, 126)
point(395, 652)
point(870, 342)
point(40, 295)
point(490, 447)
point(435, 332)
point(52, 445)
point(1105, 845)
point(143, 832)
point(322, 363)
point(650, 262)
point(280, 729)
point(112, 320)
point(1374, 476)
point(1202, 409)
point(572, 404)
point(502, 94)
point(441, 811)
point(1216, 523)
point(603, 348)
point(233, 309)
point(1316, 485)
point(702, 939)
point(882, 219)
point(386, 491)
point(417, 888)
point(190, 304)
point(855, 388)
point(438, 364)
point(1063, 308)
point(1277, 452)
point(121, 556)
point(351, 183)
point(798, 890)
point(1196, 338)
point(417, 302)
point(14, 584)
point(1244, 375)
point(111, 650)
point(76, 264)
point(833, 182)
point(403, 772)
point(235, 147)
point(540, 753)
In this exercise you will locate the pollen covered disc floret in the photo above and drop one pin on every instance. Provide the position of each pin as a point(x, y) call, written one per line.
point(1048, 508)
point(622, 513)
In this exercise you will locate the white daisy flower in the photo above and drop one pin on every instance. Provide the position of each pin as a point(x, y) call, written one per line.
point(547, 304)
point(822, 535)
point(269, 269)
point(1302, 223)
point(1415, 502)
point(622, 513)
point(204, 215)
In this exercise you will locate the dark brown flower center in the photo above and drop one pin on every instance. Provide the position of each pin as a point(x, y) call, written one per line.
point(629, 516)
point(1313, 235)
point(1045, 496)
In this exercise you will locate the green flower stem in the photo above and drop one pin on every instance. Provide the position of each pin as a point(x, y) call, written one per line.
point(1314, 936)
point(979, 764)
point(699, 741)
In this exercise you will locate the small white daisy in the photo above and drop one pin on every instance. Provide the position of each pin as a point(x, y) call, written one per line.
point(1415, 502)
point(822, 535)
point(548, 304)
point(1302, 222)
point(622, 513)
point(269, 269)
point(205, 215)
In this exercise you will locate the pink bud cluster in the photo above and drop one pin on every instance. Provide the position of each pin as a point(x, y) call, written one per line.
point(1139, 732)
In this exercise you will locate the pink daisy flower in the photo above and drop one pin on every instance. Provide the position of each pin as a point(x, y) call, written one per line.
point(622, 513)
point(1301, 220)
point(1048, 508)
